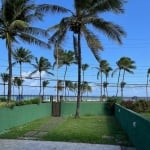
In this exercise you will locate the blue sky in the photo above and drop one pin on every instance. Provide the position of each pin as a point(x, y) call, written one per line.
point(136, 45)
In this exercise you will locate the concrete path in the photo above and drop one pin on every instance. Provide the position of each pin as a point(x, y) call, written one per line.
point(47, 145)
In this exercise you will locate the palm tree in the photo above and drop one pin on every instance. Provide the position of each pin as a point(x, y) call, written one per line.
point(84, 68)
point(106, 72)
point(15, 23)
point(41, 65)
point(4, 77)
point(147, 79)
point(86, 13)
point(122, 85)
point(85, 87)
point(119, 68)
point(18, 82)
point(21, 55)
point(69, 85)
point(125, 64)
point(44, 85)
point(103, 65)
point(15, 19)
point(65, 58)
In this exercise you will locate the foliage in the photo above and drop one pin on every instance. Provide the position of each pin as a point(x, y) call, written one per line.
point(110, 103)
point(137, 106)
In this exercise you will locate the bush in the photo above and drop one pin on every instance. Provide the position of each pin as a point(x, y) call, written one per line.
point(3, 99)
point(110, 103)
point(137, 106)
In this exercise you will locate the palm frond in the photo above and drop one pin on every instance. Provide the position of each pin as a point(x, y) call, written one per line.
point(35, 31)
point(111, 30)
point(93, 43)
point(33, 40)
point(44, 8)
point(115, 6)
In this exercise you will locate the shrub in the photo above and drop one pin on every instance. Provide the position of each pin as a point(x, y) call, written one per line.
point(3, 99)
point(110, 103)
point(137, 106)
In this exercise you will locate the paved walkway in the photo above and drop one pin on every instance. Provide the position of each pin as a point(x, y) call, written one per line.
point(47, 145)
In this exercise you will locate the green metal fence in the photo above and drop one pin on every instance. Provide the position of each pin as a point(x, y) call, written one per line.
point(136, 126)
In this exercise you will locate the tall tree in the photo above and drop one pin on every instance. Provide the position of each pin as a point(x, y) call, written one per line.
point(122, 85)
point(84, 67)
point(44, 85)
point(41, 65)
point(106, 72)
point(16, 17)
point(18, 82)
point(103, 65)
point(125, 64)
point(20, 56)
point(4, 77)
point(65, 58)
point(147, 79)
point(87, 13)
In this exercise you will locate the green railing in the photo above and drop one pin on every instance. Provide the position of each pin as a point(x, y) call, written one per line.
point(136, 126)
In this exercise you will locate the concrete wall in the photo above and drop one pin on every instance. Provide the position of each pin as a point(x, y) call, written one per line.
point(86, 108)
point(22, 114)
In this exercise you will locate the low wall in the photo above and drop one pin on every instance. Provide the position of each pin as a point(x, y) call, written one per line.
point(86, 108)
point(22, 114)
point(136, 126)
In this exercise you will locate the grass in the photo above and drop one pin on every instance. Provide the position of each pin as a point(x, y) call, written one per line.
point(89, 129)
point(19, 131)
point(146, 115)
point(86, 129)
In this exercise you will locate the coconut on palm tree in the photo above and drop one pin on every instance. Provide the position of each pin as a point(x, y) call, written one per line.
point(4, 77)
point(87, 13)
point(20, 56)
point(41, 65)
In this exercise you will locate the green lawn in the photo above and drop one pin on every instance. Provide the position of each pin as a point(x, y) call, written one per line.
point(87, 129)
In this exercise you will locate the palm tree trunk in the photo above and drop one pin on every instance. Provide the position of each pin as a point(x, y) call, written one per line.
point(40, 89)
point(118, 83)
point(122, 87)
point(65, 81)
point(21, 79)
point(4, 89)
point(101, 86)
point(79, 78)
point(106, 89)
point(147, 88)
point(10, 69)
